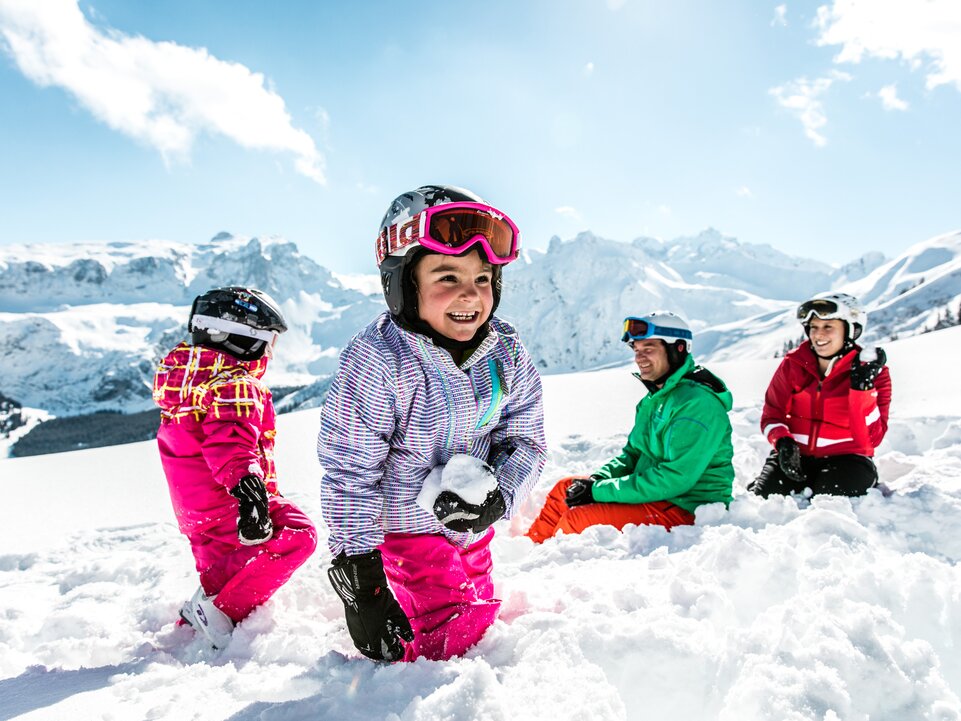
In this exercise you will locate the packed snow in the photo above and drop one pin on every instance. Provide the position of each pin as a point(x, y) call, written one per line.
point(782, 609)
point(468, 477)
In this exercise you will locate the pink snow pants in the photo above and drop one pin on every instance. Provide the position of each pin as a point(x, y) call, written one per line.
point(446, 591)
point(244, 577)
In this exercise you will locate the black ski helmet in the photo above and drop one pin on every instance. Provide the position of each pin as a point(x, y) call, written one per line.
point(396, 270)
point(236, 320)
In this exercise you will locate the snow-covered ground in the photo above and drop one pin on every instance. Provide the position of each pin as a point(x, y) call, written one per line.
point(830, 609)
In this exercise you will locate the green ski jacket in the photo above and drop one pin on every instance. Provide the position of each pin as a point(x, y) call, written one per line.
point(680, 448)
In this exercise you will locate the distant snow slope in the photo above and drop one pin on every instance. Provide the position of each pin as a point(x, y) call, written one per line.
point(83, 326)
point(903, 296)
point(777, 610)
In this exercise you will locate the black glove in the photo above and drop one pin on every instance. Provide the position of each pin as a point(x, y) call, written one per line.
point(375, 620)
point(863, 374)
point(580, 492)
point(253, 524)
point(458, 515)
point(789, 459)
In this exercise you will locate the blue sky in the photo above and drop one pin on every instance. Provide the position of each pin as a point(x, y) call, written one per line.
point(824, 130)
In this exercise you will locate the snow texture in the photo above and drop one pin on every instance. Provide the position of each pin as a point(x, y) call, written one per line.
point(785, 609)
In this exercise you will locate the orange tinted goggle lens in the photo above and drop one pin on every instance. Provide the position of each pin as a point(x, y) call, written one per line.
point(636, 328)
point(457, 227)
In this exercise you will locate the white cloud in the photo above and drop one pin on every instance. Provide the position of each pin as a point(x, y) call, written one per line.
point(160, 93)
point(802, 97)
point(917, 32)
point(889, 98)
point(615, 4)
point(780, 16)
point(588, 70)
point(569, 213)
point(744, 192)
point(664, 209)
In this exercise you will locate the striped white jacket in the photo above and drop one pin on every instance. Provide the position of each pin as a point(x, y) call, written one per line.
point(399, 406)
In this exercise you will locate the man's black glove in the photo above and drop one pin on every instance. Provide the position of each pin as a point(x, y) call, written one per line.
point(253, 524)
point(458, 515)
point(580, 492)
point(375, 620)
point(863, 374)
point(789, 459)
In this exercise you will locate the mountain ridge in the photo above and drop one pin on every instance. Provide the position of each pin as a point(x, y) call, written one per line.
point(84, 324)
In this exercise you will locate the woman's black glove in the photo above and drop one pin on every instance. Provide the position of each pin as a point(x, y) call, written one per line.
point(580, 492)
point(458, 515)
point(863, 374)
point(789, 459)
point(253, 522)
point(375, 620)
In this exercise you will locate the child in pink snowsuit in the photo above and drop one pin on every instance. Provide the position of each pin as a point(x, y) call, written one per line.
point(216, 442)
point(437, 376)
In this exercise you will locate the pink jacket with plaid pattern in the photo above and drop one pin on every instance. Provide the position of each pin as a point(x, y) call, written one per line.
point(216, 426)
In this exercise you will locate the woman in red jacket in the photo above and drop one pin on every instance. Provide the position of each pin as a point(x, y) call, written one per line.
point(826, 409)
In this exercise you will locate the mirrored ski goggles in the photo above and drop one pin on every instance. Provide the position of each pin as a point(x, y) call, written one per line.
point(639, 329)
point(222, 325)
point(453, 228)
point(821, 307)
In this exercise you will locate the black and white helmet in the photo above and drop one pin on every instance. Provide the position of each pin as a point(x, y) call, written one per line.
point(240, 321)
point(395, 269)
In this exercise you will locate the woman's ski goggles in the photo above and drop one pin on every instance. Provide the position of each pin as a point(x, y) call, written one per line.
point(640, 329)
point(821, 307)
point(453, 228)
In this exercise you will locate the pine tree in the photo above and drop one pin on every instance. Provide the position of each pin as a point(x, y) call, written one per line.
point(946, 319)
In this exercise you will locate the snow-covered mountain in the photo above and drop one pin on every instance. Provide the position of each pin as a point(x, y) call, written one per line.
point(913, 293)
point(82, 326)
point(569, 302)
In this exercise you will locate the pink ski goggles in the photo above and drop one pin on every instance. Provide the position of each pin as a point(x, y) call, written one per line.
point(453, 228)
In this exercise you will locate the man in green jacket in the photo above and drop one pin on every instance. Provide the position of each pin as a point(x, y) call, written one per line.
point(677, 456)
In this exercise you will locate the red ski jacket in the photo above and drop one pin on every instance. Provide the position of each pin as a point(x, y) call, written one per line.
point(825, 415)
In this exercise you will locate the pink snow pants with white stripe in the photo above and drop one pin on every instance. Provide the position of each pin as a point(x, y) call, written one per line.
point(446, 591)
point(244, 577)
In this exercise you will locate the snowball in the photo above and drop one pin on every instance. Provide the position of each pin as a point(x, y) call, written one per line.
point(869, 354)
point(468, 477)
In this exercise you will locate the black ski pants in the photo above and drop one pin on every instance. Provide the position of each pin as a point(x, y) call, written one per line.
point(844, 475)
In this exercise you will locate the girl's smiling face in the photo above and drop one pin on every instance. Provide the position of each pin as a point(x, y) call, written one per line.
point(827, 336)
point(454, 293)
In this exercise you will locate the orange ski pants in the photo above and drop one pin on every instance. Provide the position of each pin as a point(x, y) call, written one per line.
point(556, 517)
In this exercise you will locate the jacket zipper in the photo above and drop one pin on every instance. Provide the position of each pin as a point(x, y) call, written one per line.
point(816, 424)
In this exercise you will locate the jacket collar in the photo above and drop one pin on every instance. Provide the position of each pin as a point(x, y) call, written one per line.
point(805, 357)
point(424, 345)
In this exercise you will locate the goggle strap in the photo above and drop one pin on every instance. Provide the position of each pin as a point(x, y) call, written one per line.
point(222, 325)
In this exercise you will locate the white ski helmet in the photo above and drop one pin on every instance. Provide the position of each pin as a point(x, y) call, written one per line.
point(662, 324)
point(831, 306)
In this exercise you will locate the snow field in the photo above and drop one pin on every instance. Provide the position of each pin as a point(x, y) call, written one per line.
point(781, 610)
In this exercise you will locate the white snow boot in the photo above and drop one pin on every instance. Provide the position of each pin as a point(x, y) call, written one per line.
point(201, 613)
